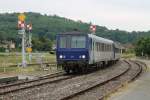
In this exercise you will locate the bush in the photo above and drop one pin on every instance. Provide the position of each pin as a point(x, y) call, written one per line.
point(2, 49)
point(143, 47)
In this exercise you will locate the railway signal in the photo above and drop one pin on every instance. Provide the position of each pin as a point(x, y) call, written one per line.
point(21, 17)
point(29, 48)
point(93, 28)
point(21, 31)
point(21, 24)
point(29, 27)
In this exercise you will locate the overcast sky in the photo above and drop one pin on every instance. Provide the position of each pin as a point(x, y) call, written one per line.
point(122, 14)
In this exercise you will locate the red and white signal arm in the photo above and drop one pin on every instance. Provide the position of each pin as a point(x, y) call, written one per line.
point(93, 28)
point(21, 24)
point(29, 27)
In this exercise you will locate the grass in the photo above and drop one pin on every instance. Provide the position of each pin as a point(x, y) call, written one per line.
point(128, 55)
point(7, 59)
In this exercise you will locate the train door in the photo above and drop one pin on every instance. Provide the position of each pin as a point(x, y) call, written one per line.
point(92, 57)
point(90, 51)
point(93, 43)
point(114, 55)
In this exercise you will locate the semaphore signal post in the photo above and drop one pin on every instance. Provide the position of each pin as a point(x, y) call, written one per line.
point(93, 29)
point(29, 48)
point(21, 31)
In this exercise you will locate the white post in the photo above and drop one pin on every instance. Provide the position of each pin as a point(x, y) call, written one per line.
point(23, 49)
point(21, 25)
point(30, 45)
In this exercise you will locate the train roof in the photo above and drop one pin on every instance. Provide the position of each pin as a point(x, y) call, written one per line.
point(100, 39)
point(73, 33)
point(97, 38)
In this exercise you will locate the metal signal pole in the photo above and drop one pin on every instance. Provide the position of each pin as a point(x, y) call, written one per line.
point(21, 26)
point(29, 49)
point(30, 45)
point(23, 48)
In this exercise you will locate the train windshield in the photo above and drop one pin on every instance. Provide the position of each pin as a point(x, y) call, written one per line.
point(63, 42)
point(78, 41)
point(72, 42)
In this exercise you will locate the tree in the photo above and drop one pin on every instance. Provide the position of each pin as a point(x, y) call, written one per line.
point(143, 47)
point(41, 44)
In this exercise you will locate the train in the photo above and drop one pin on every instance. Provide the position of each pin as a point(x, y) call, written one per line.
point(77, 51)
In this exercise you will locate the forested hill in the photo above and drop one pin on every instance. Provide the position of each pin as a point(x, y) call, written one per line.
point(47, 26)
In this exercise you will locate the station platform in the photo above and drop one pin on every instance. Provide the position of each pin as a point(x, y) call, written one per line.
point(137, 90)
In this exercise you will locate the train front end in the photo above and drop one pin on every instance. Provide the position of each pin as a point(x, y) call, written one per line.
point(72, 51)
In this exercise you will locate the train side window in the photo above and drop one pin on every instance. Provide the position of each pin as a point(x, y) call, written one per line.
point(98, 46)
point(108, 47)
point(101, 46)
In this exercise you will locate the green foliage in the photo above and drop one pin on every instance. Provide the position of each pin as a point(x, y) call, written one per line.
point(143, 47)
point(48, 26)
point(42, 44)
point(2, 49)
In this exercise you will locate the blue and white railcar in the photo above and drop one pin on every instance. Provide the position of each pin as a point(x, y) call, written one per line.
point(101, 49)
point(118, 51)
point(76, 51)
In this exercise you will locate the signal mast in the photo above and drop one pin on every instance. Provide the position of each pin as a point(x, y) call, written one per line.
point(93, 29)
point(29, 48)
point(21, 31)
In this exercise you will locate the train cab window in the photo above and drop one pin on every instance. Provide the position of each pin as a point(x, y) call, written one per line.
point(78, 42)
point(63, 42)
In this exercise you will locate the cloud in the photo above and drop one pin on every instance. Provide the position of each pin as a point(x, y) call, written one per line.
point(123, 14)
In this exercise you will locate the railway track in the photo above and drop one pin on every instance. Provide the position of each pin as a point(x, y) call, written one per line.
point(75, 86)
point(86, 93)
point(93, 86)
point(9, 88)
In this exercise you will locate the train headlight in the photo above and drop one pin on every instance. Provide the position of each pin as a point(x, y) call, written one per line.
point(83, 56)
point(60, 56)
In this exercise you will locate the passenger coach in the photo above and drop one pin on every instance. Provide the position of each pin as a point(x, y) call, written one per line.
point(77, 51)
